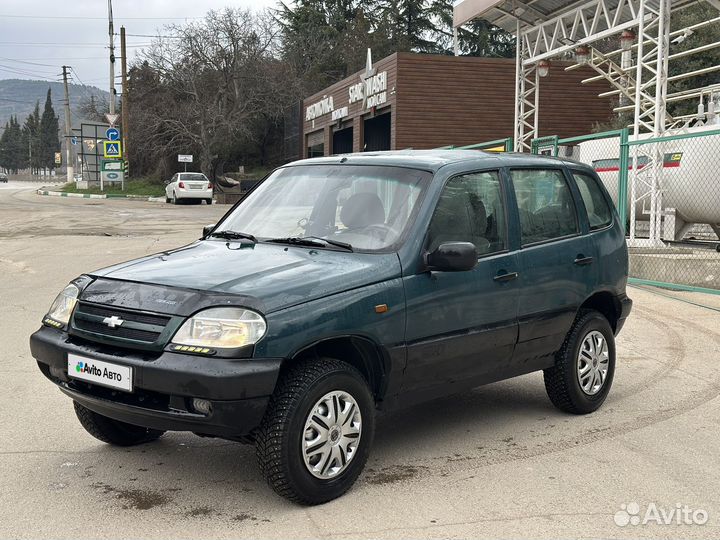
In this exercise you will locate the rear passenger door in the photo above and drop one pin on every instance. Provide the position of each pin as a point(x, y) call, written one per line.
point(556, 262)
point(608, 241)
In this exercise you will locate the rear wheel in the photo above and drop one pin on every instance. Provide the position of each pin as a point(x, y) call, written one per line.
point(175, 200)
point(316, 435)
point(112, 431)
point(584, 367)
point(167, 199)
point(208, 201)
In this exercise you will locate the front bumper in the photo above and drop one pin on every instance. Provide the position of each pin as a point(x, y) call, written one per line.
point(165, 385)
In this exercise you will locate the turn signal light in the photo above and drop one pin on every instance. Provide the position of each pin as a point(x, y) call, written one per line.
point(191, 349)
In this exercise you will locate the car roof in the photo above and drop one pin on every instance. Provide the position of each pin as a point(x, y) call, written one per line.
point(432, 160)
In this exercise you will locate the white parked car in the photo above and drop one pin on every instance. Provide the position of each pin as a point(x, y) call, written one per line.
point(188, 186)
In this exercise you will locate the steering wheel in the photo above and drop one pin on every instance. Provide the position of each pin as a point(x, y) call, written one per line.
point(380, 228)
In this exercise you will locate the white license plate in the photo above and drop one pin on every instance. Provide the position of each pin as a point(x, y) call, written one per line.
point(99, 372)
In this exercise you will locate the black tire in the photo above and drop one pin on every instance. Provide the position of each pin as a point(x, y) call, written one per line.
point(175, 200)
point(562, 381)
point(208, 201)
point(167, 199)
point(279, 438)
point(112, 431)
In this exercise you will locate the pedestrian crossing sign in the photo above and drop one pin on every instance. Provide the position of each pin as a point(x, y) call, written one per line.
point(112, 149)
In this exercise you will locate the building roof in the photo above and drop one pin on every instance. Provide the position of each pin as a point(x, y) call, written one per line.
point(432, 160)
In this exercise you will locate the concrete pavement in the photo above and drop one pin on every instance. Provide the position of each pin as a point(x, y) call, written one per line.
point(496, 462)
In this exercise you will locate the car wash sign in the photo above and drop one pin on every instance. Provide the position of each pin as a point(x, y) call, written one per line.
point(321, 108)
point(372, 88)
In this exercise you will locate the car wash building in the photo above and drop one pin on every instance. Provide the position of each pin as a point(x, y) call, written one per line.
point(427, 101)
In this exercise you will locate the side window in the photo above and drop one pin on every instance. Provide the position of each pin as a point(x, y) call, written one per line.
point(599, 213)
point(470, 209)
point(545, 205)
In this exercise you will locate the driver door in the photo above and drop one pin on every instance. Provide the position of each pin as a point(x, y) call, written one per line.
point(462, 326)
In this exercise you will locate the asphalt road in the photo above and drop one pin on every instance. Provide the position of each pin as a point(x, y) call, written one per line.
point(496, 462)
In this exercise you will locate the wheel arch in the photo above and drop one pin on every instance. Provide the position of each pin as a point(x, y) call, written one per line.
point(607, 304)
point(371, 359)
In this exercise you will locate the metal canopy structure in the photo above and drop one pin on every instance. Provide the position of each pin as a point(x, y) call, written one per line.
point(637, 71)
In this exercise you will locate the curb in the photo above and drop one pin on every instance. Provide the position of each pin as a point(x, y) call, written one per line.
point(53, 193)
point(63, 194)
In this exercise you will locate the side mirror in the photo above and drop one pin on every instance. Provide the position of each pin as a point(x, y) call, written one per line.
point(453, 257)
point(207, 229)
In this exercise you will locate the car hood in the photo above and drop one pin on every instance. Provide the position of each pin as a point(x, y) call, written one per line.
point(273, 276)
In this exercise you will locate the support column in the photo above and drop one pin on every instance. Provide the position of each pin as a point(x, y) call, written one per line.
point(358, 124)
point(328, 140)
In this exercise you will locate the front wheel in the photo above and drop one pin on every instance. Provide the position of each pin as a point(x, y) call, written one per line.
point(316, 435)
point(584, 367)
point(112, 431)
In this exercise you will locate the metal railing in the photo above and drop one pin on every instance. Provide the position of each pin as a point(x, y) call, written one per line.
point(497, 145)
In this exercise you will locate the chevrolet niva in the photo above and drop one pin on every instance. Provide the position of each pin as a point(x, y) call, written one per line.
point(344, 285)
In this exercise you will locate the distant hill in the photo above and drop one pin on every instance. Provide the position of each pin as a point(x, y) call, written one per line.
point(18, 97)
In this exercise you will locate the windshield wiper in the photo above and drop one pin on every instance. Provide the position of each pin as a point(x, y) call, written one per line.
point(312, 241)
point(233, 235)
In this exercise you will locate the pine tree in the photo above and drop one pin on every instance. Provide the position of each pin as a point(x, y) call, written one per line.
point(4, 153)
point(48, 143)
point(409, 24)
point(31, 132)
point(11, 154)
point(18, 152)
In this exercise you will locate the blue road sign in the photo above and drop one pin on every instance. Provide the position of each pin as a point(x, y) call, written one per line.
point(113, 134)
point(112, 149)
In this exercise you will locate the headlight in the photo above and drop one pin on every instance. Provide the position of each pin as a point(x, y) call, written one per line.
point(62, 308)
point(221, 328)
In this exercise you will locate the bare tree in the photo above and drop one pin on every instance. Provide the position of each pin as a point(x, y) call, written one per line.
point(217, 77)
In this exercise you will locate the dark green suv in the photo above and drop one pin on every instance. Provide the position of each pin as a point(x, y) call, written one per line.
point(343, 285)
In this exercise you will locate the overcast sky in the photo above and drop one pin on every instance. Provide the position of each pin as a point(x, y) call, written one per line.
point(39, 36)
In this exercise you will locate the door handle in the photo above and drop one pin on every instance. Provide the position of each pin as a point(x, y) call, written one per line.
point(582, 260)
point(505, 276)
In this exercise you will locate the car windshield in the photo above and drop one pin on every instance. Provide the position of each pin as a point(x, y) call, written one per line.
point(193, 176)
point(368, 207)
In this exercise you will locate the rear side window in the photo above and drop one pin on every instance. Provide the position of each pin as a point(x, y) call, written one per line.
point(599, 212)
point(471, 209)
point(545, 204)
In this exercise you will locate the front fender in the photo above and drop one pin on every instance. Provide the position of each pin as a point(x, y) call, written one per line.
point(347, 313)
point(350, 313)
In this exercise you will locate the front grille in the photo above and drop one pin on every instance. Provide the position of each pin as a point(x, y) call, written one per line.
point(136, 316)
point(136, 326)
point(127, 333)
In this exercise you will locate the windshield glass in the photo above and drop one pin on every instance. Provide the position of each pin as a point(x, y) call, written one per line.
point(368, 207)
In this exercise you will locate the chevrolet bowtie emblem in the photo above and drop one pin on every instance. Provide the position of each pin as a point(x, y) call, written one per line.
point(113, 321)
